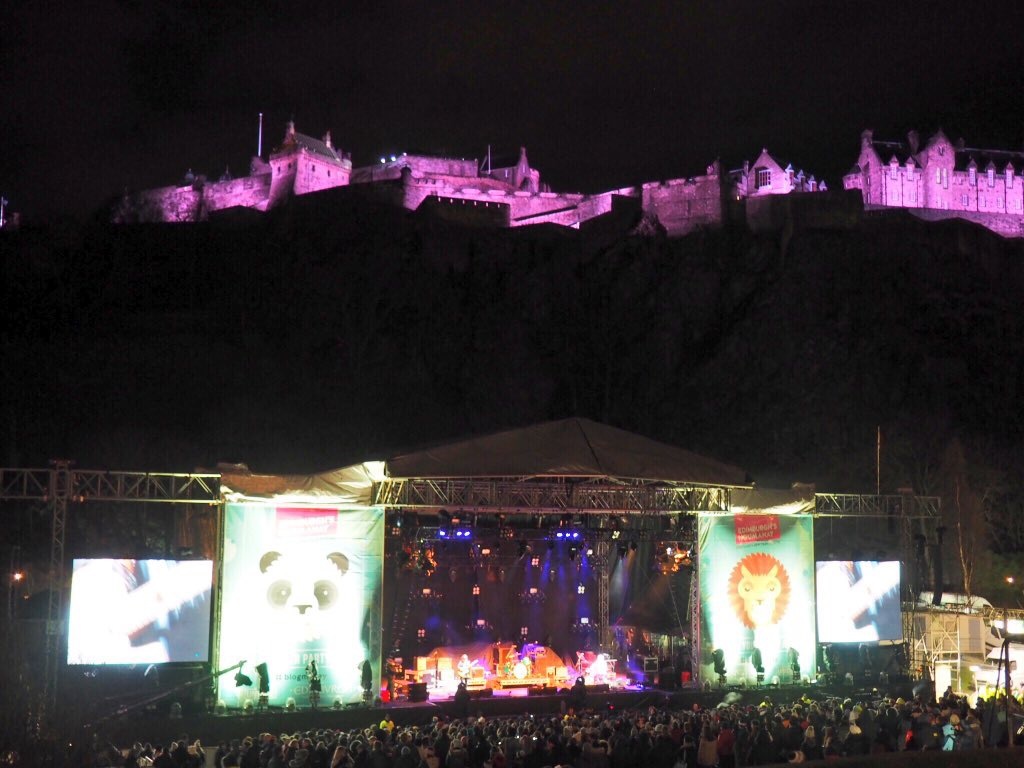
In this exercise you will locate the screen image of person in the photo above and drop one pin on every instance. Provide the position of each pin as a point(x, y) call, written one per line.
point(139, 611)
point(858, 601)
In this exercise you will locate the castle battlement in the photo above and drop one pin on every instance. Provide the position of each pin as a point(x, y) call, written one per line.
point(509, 196)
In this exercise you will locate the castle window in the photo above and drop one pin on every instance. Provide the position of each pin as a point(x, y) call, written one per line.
point(938, 175)
point(892, 171)
point(972, 176)
point(963, 201)
point(764, 178)
point(991, 177)
point(945, 179)
point(1009, 179)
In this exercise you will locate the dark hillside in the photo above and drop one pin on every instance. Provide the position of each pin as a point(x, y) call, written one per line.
point(322, 334)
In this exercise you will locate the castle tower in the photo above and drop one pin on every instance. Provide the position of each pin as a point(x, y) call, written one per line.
point(303, 164)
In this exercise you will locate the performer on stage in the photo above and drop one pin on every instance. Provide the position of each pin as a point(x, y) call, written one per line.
point(511, 659)
point(599, 669)
point(366, 679)
point(464, 667)
point(314, 684)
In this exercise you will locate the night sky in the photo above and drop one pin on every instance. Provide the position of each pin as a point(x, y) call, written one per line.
point(102, 95)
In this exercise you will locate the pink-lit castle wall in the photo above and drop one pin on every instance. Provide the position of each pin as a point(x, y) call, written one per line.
point(514, 193)
point(299, 166)
point(941, 180)
point(461, 189)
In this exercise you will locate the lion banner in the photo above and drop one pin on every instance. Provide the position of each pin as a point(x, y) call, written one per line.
point(756, 577)
point(300, 585)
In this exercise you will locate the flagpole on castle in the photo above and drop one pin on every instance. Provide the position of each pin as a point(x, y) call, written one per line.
point(259, 140)
point(3, 203)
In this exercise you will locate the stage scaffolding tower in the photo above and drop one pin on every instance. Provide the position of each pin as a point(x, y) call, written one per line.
point(59, 487)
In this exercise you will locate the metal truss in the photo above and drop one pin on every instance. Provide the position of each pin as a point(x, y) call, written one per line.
point(602, 562)
point(475, 496)
point(905, 506)
point(98, 485)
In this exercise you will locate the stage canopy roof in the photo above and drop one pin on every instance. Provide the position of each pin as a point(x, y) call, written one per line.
point(577, 448)
point(566, 448)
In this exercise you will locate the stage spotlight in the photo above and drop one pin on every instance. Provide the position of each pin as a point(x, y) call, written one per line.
point(264, 675)
point(718, 658)
point(573, 551)
point(622, 551)
point(523, 548)
point(241, 679)
point(758, 664)
point(633, 546)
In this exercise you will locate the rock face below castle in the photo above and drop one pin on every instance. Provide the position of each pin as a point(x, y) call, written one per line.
point(941, 180)
point(463, 190)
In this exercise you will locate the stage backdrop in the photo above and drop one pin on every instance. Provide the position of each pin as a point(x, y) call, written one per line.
point(301, 584)
point(757, 592)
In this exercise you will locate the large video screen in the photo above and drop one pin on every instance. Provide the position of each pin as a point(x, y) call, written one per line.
point(139, 611)
point(302, 586)
point(858, 601)
point(756, 577)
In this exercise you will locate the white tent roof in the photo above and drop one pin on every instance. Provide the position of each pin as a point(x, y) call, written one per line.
point(348, 486)
point(566, 448)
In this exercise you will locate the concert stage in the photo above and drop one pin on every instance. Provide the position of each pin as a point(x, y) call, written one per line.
point(212, 729)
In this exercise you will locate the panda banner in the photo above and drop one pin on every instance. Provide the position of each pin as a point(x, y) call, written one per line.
point(756, 598)
point(301, 603)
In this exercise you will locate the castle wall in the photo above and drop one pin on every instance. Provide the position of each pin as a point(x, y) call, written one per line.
point(524, 207)
point(808, 210)
point(485, 213)
point(683, 205)
point(282, 180)
point(419, 165)
point(1003, 224)
point(901, 185)
point(195, 202)
point(248, 192)
point(314, 172)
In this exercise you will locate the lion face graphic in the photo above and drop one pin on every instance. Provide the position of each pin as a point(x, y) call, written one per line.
point(759, 590)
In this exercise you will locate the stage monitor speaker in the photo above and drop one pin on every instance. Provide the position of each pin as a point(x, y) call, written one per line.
point(650, 663)
point(417, 692)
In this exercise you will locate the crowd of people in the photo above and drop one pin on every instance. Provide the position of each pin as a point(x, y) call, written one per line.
point(733, 734)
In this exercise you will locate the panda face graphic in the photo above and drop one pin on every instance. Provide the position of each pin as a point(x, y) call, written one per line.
point(302, 591)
